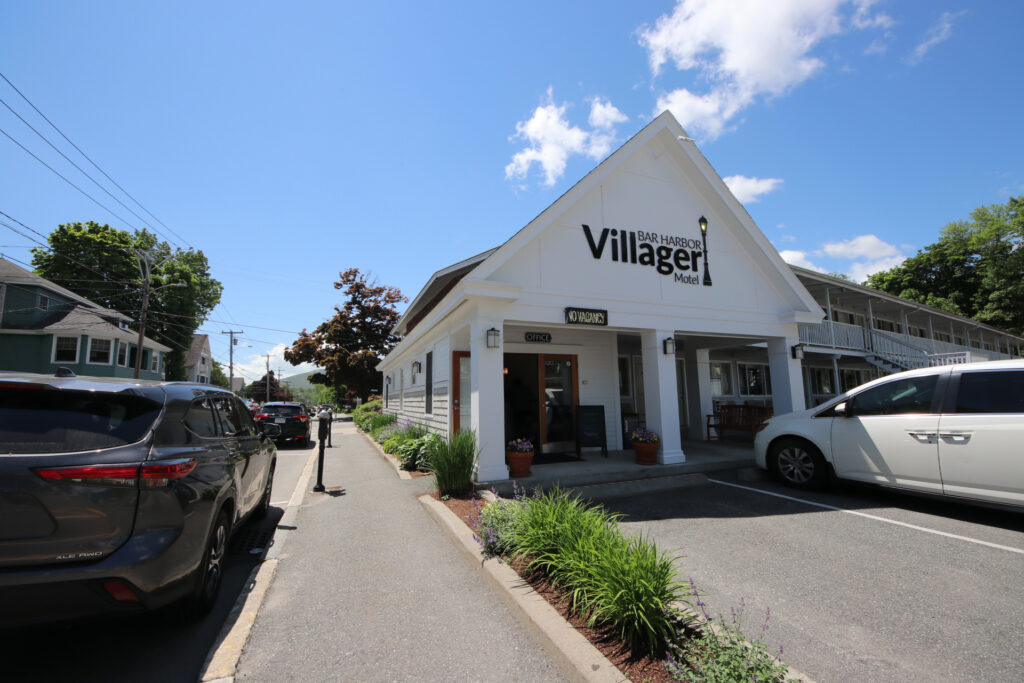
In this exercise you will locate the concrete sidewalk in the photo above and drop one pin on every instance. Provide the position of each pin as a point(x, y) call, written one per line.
point(370, 588)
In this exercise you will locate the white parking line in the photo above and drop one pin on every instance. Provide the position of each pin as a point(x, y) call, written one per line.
point(874, 517)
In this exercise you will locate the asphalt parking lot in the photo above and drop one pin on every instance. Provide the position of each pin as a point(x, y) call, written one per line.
point(863, 584)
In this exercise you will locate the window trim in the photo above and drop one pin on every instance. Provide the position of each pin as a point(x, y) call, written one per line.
point(154, 360)
point(78, 348)
point(110, 352)
point(742, 385)
point(122, 346)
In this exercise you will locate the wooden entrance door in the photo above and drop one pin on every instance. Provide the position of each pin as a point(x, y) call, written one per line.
point(461, 398)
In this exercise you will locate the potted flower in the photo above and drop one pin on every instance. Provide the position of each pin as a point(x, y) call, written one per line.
point(519, 456)
point(645, 446)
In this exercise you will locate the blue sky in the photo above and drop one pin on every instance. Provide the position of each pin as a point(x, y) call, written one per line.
point(290, 141)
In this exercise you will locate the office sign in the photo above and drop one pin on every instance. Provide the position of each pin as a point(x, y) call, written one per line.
point(538, 337)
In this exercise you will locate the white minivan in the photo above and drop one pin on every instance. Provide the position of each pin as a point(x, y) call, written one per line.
point(955, 430)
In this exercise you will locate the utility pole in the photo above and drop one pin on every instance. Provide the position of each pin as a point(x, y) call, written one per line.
point(231, 357)
point(268, 376)
point(145, 261)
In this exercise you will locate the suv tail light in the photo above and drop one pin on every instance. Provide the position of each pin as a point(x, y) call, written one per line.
point(148, 475)
point(303, 418)
point(260, 416)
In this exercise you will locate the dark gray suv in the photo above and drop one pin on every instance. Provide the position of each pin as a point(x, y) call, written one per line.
point(119, 496)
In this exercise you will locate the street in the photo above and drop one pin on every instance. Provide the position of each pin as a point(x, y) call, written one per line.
point(863, 584)
point(153, 647)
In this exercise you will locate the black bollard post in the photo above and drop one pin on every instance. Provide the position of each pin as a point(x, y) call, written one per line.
point(323, 432)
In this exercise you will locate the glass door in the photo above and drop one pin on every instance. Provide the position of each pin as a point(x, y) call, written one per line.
point(558, 376)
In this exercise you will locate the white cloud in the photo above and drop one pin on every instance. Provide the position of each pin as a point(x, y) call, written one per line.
point(938, 33)
point(859, 270)
point(743, 49)
point(749, 190)
point(799, 258)
point(861, 246)
point(551, 140)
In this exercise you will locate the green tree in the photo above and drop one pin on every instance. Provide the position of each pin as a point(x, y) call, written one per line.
point(218, 377)
point(258, 390)
point(349, 345)
point(99, 262)
point(975, 269)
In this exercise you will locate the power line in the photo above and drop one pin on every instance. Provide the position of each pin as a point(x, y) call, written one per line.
point(95, 165)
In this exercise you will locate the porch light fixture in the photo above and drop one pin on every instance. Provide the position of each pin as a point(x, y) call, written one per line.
point(669, 346)
point(416, 367)
point(493, 338)
point(798, 351)
point(387, 380)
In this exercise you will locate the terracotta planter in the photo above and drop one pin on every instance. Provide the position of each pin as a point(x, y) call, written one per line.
point(646, 453)
point(519, 463)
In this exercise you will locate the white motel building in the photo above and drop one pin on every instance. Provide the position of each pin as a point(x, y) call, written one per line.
point(648, 292)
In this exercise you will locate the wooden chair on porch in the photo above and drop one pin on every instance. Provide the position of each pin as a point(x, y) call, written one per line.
point(745, 418)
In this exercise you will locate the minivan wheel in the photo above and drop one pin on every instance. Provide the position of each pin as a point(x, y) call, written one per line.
point(211, 571)
point(798, 463)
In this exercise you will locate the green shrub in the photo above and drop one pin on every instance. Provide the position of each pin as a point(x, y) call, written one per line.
point(498, 526)
point(612, 581)
point(453, 462)
point(725, 656)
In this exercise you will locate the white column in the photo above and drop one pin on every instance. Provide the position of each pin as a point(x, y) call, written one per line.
point(787, 391)
point(660, 396)
point(487, 407)
point(698, 364)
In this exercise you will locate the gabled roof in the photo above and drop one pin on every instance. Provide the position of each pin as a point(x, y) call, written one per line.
point(11, 273)
point(483, 265)
point(200, 344)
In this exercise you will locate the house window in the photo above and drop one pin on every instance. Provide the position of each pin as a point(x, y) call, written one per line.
point(755, 380)
point(154, 361)
point(721, 379)
point(44, 303)
point(65, 350)
point(99, 351)
point(821, 381)
point(429, 388)
point(122, 354)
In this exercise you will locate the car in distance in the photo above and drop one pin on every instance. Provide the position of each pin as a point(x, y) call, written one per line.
point(952, 430)
point(293, 419)
point(119, 496)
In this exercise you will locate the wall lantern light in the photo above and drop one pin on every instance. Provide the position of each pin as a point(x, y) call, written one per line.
point(669, 346)
point(387, 379)
point(493, 338)
point(703, 223)
point(416, 367)
point(798, 351)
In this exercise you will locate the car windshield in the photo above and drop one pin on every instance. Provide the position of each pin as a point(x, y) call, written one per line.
point(39, 420)
point(282, 410)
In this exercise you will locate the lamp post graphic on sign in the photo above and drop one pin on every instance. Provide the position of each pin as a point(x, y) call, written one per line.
point(703, 223)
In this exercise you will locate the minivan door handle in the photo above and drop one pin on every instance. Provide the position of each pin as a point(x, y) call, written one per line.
point(958, 437)
point(923, 437)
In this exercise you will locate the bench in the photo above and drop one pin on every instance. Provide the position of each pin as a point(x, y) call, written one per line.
point(744, 418)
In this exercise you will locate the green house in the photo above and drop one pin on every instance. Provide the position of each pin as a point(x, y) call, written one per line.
point(44, 326)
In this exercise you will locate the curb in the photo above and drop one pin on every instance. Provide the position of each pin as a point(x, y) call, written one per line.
point(577, 652)
point(222, 660)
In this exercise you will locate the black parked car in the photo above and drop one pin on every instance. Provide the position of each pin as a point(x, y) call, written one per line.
point(119, 495)
point(292, 418)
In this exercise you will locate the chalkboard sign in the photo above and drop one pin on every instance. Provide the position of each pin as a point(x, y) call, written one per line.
point(590, 429)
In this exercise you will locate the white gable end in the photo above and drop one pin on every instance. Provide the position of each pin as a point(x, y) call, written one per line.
point(629, 242)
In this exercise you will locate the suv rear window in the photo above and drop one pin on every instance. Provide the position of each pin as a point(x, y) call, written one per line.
point(991, 392)
point(34, 420)
point(282, 410)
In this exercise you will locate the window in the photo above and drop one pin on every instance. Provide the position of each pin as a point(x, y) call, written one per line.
point(821, 381)
point(429, 388)
point(122, 354)
point(154, 361)
point(991, 392)
point(232, 417)
point(721, 379)
point(200, 418)
point(65, 349)
point(899, 397)
point(852, 378)
point(99, 351)
point(44, 303)
point(755, 380)
point(625, 386)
